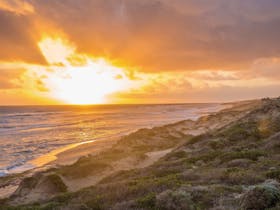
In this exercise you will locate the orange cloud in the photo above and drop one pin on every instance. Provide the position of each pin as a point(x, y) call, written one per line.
point(19, 7)
point(167, 35)
point(10, 78)
point(167, 49)
point(154, 35)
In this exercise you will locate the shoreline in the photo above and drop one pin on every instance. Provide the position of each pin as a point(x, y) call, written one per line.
point(44, 159)
point(52, 156)
point(63, 156)
point(68, 154)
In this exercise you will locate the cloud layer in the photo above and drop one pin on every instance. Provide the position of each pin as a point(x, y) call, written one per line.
point(213, 48)
point(154, 34)
point(170, 35)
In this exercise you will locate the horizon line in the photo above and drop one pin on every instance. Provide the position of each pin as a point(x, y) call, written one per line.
point(126, 104)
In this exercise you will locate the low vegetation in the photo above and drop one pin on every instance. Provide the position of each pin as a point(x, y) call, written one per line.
point(231, 167)
point(261, 197)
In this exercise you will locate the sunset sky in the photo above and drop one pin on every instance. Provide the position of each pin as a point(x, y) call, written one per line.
point(138, 51)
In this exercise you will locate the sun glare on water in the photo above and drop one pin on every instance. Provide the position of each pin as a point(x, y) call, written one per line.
point(88, 83)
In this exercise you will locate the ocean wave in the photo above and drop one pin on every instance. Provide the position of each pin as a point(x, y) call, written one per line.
point(29, 132)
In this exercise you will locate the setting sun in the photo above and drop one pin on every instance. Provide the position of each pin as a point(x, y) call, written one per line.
point(88, 84)
point(79, 79)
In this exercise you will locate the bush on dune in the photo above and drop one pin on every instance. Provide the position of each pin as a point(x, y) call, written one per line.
point(273, 174)
point(147, 202)
point(208, 157)
point(249, 154)
point(269, 126)
point(174, 200)
point(261, 197)
point(237, 176)
point(216, 144)
point(241, 132)
point(197, 139)
point(95, 203)
point(176, 155)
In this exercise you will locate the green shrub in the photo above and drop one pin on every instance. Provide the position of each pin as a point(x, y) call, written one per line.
point(250, 154)
point(269, 127)
point(153, 184)
point(274, 208)
point(238, 176)
point(242, 131)
point(96, 203)
point(147, 202)
point(216, 144)
point(203, 199)
point(174, 200)
point(166, 171)
point(119, 176)
point(210, 156)
point(49, 206)
point(63, 198)
point(261, 197)
point(176, 155)
point(197, 139)
point(274, 174)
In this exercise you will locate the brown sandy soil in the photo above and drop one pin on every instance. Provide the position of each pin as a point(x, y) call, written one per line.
point(123, 164)
point(70, 156)
point(7, 191)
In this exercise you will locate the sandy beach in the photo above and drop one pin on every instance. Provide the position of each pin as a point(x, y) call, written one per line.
point(71, 155)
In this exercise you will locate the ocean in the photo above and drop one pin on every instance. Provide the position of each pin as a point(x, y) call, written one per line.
point(28, 132)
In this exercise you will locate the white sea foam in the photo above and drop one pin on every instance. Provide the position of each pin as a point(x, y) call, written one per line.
point(29, 132)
